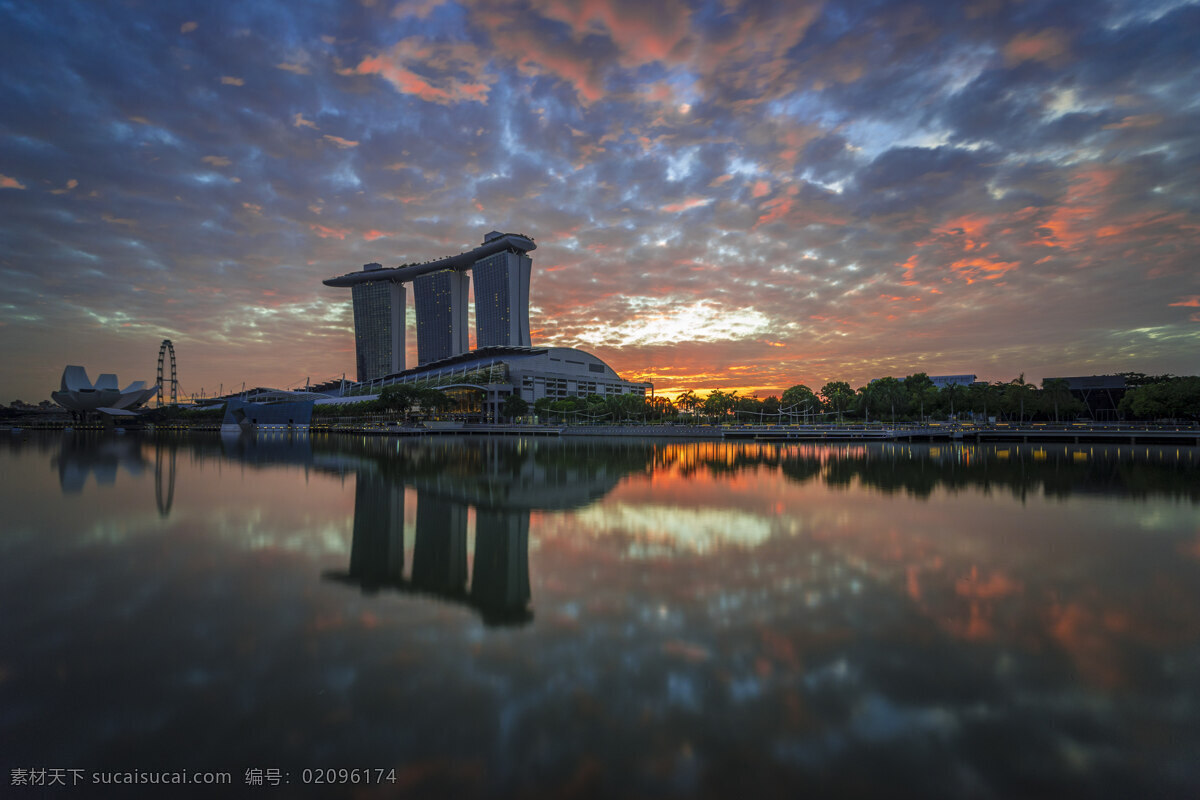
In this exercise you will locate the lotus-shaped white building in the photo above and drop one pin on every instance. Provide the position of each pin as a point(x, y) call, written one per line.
point(79, 394)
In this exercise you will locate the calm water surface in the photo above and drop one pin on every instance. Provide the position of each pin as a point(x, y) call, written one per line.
point(506, 617)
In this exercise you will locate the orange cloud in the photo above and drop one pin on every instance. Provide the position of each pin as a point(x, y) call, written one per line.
point(970, 225)
point(1068, 224)
point(751, 59)
point(229, 80)
point(372, 235)
point(1136, 121)
point(539, 59)
point(1191, 301)
point(975, 268)
point(1082, 635)
point(188, 27)
point(994, 587)
point(340, 142)
point(691, 202)
point(10, 183)
point(643, 33)
point(217, 161)
point(299, 69)
point(1049, 46)
point(761, 189)
point(299, 121)
point(779, 207)
point(328, 233)
point(436, 72)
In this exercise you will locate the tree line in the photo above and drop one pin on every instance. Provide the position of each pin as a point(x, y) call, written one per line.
point(913, 398)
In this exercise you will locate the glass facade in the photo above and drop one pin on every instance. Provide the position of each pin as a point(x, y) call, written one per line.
point(502, 300)
point(501, 269)
point(378, 328)
point(441, 299)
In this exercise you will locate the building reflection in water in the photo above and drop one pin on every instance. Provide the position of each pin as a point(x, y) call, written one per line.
point(440, 550)
point(164, 475)
point(730, 619)
point(474, 496)
point(103, 455)
point(502, 481)
point(499, 578)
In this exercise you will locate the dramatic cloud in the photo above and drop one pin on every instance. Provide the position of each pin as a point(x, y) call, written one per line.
point(740, 194)
point(434, 72)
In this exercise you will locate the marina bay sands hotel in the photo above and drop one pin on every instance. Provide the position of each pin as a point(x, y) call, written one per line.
point(501, 270)
point(504, 362)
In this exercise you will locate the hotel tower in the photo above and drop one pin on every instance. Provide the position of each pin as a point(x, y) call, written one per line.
point(500, 267)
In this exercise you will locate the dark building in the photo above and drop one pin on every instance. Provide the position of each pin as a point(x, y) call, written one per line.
point(501, 268)
point(441, 299)
point(380, 338)
point(1100, 393)
point(502, 299)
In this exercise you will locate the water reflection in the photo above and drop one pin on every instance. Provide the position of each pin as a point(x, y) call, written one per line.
point(711, 619)
point(495, 482)
point(499, 580)
point(101, 457)
point(561, 474)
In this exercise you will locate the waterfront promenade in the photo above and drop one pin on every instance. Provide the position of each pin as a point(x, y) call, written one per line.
point(1114, 433)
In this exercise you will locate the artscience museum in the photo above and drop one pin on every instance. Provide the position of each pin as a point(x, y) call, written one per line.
point(78, 393)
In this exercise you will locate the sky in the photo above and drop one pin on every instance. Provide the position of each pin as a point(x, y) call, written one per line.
point(724, 194)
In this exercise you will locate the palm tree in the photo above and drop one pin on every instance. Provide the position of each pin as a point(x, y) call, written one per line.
point(688, 401)
point(890, 390)
point(1056, 390)
point(1016, 391)
point(950, 391)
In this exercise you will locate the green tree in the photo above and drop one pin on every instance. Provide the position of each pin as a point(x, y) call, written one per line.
point(659, 406)
point(1056, 395)
point(718, 403)
point(434, 401)
point(862, 402)
point(398, 398)
point(1177, 398)
point(951, 393)
point(890, 393)
point(837, 396)
point(1135, 380)
point(985, 396)
point(1183, 397)
point(800, 399)
point(919, 389)
point(542, 407)
point(514, 406)
point(1016, 392)
point(625, 406)
point(749, 409)
point(770, 406)
point(689, 402)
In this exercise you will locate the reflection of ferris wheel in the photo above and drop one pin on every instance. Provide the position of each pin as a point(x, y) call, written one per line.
point(161, 497)
point(163, 349)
